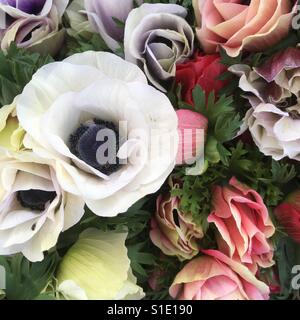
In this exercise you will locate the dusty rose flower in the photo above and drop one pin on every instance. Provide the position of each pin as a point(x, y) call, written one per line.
point(192, 128)
point(236, 25)
point(273, 92)
point(214, 276)
point(174, 231)
point(32, 24)
point(243, 225)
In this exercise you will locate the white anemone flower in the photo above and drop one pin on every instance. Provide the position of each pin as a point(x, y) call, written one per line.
point(67, 104)
point(33, 208)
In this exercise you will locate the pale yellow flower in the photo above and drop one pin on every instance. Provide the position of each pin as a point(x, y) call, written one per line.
point(97, 268)
point(11, 133)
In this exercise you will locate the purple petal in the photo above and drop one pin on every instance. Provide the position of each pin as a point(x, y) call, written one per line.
point(28, 6)
point(288, 59)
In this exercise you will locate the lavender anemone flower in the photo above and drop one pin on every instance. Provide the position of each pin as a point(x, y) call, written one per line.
point(32, 24)
point(157, 38)
point(102, 17)
point(29, 6)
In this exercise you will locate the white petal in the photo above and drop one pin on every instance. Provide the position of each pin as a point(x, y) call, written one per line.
point(287, 129)
point(110, 65)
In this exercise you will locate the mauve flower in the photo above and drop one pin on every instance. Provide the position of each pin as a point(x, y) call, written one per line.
point(237, 25)
point(244, 225)
point(214, 276)
point(174, 231)
point(115, 139)
point(276, 132)
point(273, 92)
point(33, 210)
point(101, 15)
point(32, 24)
point(192, 128)
point(288, 215)
point(157, 37)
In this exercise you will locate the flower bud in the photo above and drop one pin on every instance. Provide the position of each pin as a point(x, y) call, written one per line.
point(192, 128)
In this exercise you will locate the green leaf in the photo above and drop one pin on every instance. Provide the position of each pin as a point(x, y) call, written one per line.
point(80, 44)
point(282, 173)
point(119, 23)
point(139, 258)
point(17, 67)
point(287, 256)
point(199, 99)
point(26, 280)
point(195, 193)
point(229, 61)
point(223, 120)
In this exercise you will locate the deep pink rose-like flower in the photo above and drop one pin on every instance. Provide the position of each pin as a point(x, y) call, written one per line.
point(243, 225)
point(214, 276)
point(235, 25)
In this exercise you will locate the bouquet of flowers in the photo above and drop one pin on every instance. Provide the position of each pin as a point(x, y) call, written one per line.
point(149, 149)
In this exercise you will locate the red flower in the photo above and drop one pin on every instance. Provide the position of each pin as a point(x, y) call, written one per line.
point(288, 214)
point(202, 70)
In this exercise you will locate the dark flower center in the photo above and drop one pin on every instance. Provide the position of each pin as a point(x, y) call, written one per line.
point(294, 114)
point(35, 199)
point(28, 6)
point(96, 143)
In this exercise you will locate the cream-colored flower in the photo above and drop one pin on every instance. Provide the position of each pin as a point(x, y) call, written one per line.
point(97, 268)
point(33, 208)
point(11, 133)
point(67, 104)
